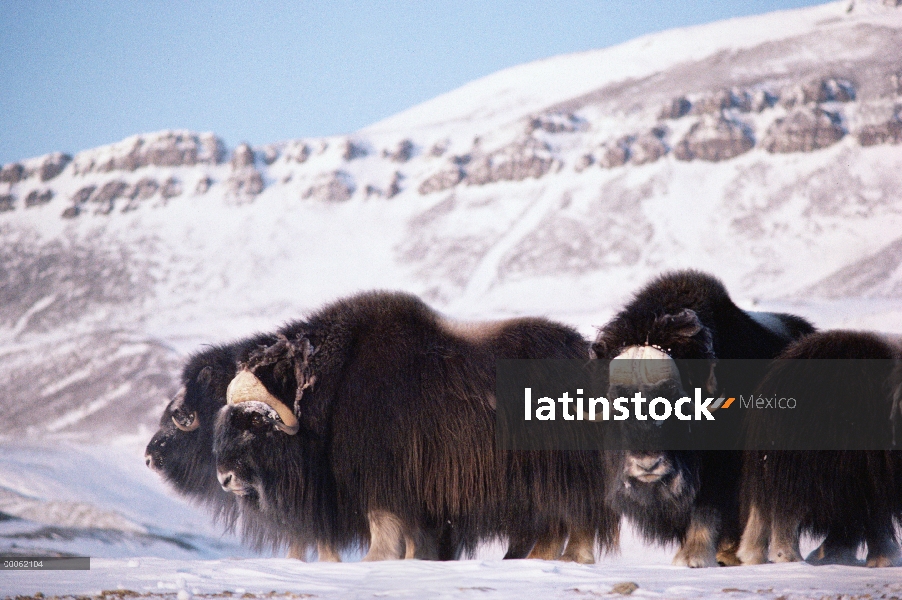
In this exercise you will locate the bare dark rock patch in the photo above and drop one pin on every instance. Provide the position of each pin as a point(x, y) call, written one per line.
point(36, 198)
point(242, 156)
point(337, 186)
point(529, 158)
point(403, 153)
point(888, 132)
point(11, 173)
point(803, 130)
point(714, 139)
point(442, 180)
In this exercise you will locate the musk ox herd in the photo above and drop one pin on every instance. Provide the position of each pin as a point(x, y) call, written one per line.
point(371, 424)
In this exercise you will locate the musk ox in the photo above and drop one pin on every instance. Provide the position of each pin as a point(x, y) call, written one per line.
point(850, 496)
point(377, 415)
point(691, 497)
point(182, 450)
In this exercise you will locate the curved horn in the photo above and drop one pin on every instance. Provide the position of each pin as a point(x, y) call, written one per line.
point(630, 367)
point(245, 387)
point(193, 424)
point(175, 406)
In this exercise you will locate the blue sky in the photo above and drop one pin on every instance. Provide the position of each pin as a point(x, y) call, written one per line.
point(79, 74)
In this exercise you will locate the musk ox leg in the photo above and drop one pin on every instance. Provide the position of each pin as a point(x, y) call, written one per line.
point(423, 545)
point(699, 547)
point(883, 549)
point(753, 544)
point(298, 550)
point(549, 546)
point(835, 550)
point(386, 536)
point(580, 547)
point(519, 547)
point(726, 553)
point(326, 553)
point(449, 546)
point(784, 541)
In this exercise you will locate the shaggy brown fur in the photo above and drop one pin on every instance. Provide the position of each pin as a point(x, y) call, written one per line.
point(688, 497)
point(396, 409)
point(850, 496)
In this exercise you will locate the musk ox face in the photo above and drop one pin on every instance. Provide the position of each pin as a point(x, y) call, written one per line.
point(647, 472)
point(654, 481)
point(245, 435)
point(675, 354)
point(182, 449)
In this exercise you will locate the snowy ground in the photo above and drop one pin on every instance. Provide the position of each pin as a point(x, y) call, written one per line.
point(488, 579)
point(102, 502)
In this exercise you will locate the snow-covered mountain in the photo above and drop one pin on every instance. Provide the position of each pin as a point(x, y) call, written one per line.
point(767, 150)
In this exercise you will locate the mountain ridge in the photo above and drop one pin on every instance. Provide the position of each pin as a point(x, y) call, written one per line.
point(771, 158)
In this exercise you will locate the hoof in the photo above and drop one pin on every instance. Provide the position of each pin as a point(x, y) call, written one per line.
point(695, 561)
point(756, 556)
point(728, 558)
point(833, 556)
point(784, 555)
point(881, 561)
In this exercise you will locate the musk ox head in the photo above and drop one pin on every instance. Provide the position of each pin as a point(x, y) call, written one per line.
point(182, 449)
point(279, 477)
point(673, 354)
point(247, 443)
point(260, 444)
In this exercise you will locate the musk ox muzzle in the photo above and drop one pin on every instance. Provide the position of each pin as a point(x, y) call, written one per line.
point(246, 387)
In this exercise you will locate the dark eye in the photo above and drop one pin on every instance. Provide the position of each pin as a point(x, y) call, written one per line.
point(258, 421)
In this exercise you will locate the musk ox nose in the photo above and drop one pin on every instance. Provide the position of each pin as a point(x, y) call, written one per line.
point(647, 468)
point(150, 461)
point(229, 482)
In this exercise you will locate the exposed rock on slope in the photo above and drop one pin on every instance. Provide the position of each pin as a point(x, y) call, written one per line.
point(803, 130)
point(715, 139)
point(163, 149)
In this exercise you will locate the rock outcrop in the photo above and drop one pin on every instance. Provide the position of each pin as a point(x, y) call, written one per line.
point(803, 130)
point(172, 187)
point(442, 180)
point(676, 108)
point(888, 132)
point(816, 91)
point(394, 188)
point(164, 149)
point(242, 156)
point(337, 186)
point(11, 173)
point(245, 184)
point(647, 147)
point(107, 195)
point(556, 122)
point(353, 150)
point(614, 154)
point(714, 139)
point(516, 162)
point(36, 198)
point(403, 153)
point(52, 165)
